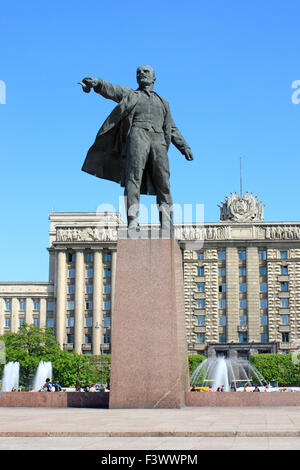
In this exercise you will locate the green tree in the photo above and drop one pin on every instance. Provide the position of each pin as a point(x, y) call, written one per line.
point(194, 361)
point(93, 369)
point(64, 368)
point(29, 346)
point(278, 367)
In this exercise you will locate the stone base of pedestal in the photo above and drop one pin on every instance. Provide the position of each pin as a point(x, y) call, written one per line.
point(149, 363)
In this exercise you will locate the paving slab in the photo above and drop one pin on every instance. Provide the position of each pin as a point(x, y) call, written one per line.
point(185, 422)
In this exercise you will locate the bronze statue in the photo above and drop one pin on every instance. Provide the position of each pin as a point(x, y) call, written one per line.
point(131, 146)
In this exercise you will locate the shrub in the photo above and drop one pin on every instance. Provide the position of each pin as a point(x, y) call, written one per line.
point(277, 367)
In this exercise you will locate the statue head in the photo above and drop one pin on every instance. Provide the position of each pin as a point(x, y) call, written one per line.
point(145, 75)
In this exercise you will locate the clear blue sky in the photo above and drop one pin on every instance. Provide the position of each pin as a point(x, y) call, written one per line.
point(226, 68)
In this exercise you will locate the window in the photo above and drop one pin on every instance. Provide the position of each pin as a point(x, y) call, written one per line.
point(264, 338)
point(89, 288)
point(50, 306)
point(242, 255)
point(22, 305)
point(106, 288)
point(70, 339)
point(284, 286)
point(71, 257)
point(243, 320)
point(200, 255)
point(89, 257)
point(221, 255)
point(285, 319)
point(7, 322)
point(284, 270)
point(284, 303)
point(243, 304)
point(88, 322)
point(242, 271)
point(21, 321)
point(106, 339)
point(243, 337)
point(106, 305)
point(107, 273)
point(200, 270)
point(70, 322)
point(88, 339)
point(222, 320)
point(200, 303)
point(222, 287)
point(283, 254)
point(262, 255)
point(243, 287)
point(36, 322)
point(201, 338)
point(285, 337)
point(263, 270)
point(36, 306)
point(200, 286)
point(222, 337)
point(263, 287)
point(70, 305)
point(71, 289)
point(106, 322)
point(222, 304)
point(50, 322)
point(89, 273)
point(264, 320)
point(263, 303)
point(71, 273)
point(222, 272)
point(201, 320)
point(89, 305)
point(8, 305)
point(107, 257)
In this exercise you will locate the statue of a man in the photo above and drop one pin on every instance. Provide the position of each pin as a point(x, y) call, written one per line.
point(131, 146)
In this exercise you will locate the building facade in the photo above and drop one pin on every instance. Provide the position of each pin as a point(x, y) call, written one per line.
point(241, 283)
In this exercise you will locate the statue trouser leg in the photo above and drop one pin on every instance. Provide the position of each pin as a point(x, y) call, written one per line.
point(147, 148)
point(158, 164)
point(137, 151)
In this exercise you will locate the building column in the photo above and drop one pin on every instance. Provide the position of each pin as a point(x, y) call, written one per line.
point(28, 311)
point(51, 266)
point(97, 302)
point(232, 294)
point(79, 301)
point(61, 295)
point(2, 304)
point(113, 281)
point(253, 307)
point(14, 315)
point(43, 310)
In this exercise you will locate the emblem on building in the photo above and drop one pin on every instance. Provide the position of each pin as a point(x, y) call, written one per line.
point(245, 208)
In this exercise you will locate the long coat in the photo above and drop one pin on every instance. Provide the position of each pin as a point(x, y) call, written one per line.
point(106, 157)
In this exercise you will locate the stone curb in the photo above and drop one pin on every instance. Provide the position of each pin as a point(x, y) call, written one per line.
point(153, 434)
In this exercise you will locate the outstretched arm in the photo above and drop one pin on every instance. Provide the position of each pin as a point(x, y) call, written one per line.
point(106, 89)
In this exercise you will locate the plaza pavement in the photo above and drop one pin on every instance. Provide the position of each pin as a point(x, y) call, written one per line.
point(133, 429)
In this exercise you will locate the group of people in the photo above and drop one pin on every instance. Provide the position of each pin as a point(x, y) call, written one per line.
point(233, 388)
point(91, 388)
point(51, 387)
point(56, 387)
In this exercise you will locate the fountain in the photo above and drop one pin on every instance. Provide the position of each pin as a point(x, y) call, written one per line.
point(222, 371)
point(43, 372)
point(10, 377)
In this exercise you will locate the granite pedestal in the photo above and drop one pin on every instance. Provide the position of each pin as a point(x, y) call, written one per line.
point(149, 363)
